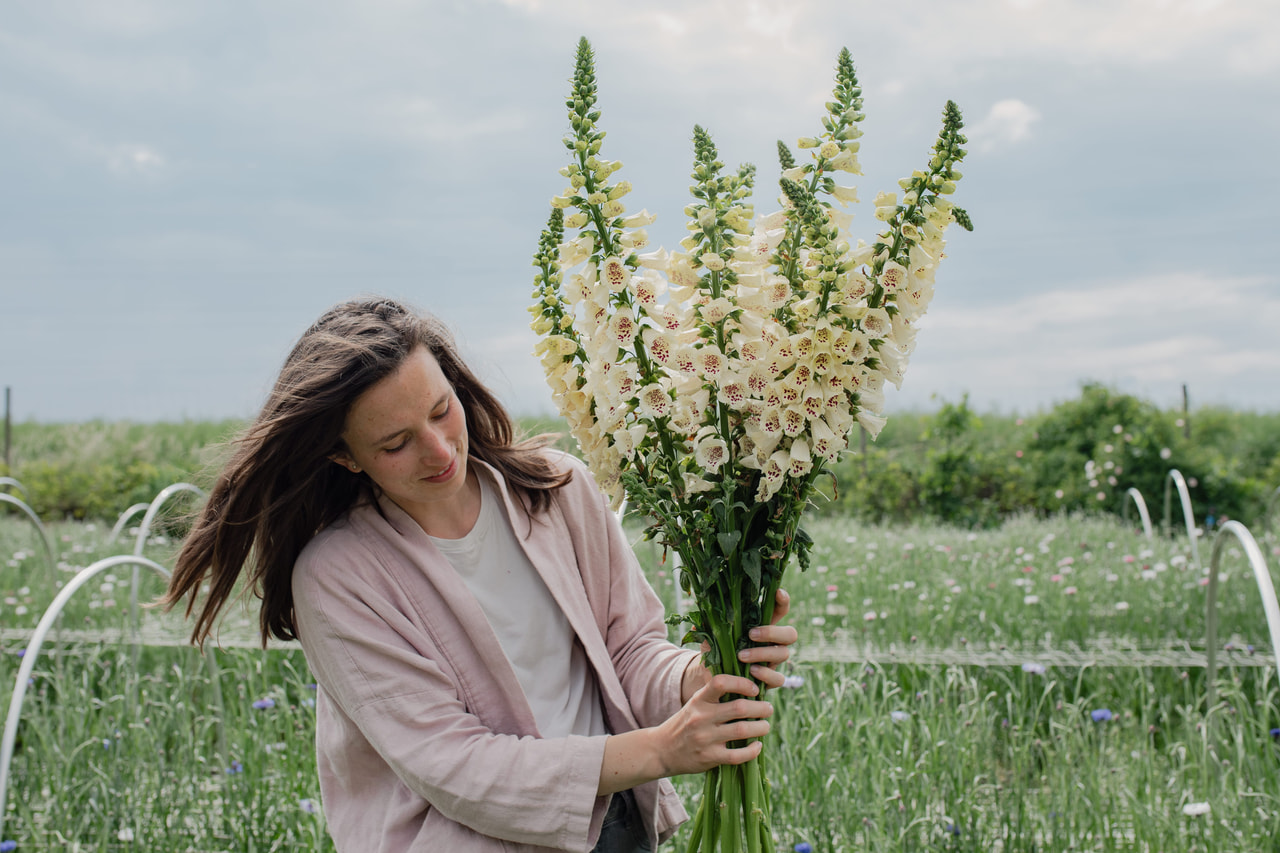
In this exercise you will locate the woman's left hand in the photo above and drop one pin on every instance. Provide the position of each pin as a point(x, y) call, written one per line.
point(777, 640)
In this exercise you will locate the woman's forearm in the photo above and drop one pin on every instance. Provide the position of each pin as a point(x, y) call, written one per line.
point(630, 759)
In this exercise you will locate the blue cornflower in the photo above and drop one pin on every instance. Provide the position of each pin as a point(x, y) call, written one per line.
point(311, 686)
point(803, 847)
point(1275, 734)
point(106, 743)
point(7, 846)
point(1101, 715)
point(952, 828)
point(308, 806)
point(265, 703)
point(236, 767)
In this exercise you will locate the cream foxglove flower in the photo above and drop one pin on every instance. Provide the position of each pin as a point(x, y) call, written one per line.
point(735, 394)
point(711, 261)
point(876, 323)
point(871, 423)
point(825, 442)
point(576, 251)
point(622, 327)
point(801, 462)
point(638, 220)
point(845, 161)
point(634, 239)
point(710, 362)
point(661, 346)
point(845, 195)
point(646, 289)
point(693, 484)
point(893, 276)
point(655, 401)
point(711, 453)
point(615, 274)
point(716, 310)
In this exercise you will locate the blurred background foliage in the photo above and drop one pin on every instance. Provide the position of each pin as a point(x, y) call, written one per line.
point(954, 465)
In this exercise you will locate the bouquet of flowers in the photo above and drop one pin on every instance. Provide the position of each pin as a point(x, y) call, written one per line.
point(711, 386)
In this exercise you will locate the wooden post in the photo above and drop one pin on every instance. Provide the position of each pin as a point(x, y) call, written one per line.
point(1186, 412)
point(8, 430)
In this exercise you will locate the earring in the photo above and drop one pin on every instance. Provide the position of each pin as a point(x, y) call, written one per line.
point(355, 469)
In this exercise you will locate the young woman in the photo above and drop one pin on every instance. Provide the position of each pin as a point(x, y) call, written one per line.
point(493, 668)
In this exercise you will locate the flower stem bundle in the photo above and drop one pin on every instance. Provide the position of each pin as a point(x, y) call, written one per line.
point(712, 385)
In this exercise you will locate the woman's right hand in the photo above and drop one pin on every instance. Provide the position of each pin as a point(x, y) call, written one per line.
point(698, 736)
point(693, 740)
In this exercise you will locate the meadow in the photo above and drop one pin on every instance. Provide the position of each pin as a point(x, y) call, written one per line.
point(1033, 686)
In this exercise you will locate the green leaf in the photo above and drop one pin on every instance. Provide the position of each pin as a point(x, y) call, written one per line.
point(729, 541)
point(751, 565)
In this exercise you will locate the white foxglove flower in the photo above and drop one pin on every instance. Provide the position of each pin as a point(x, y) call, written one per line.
point(846, 161)
point(871, 423)
point(655, 401)
point(711, 453)
point(875, 323)
point(710, 362)
point(693, 484)
point(845, 195)
point(801, 462)
point(893, 276)
point(622, 327)
point(716, 309)
point(711, 261)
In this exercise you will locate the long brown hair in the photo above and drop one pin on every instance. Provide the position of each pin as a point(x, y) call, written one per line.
point(280, 488)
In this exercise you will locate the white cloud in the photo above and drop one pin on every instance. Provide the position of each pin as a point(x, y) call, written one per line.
point(136, 160)
point(1008, 122)
point(1146, 335)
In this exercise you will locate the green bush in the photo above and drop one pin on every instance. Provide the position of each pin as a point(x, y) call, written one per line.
point(950, 466)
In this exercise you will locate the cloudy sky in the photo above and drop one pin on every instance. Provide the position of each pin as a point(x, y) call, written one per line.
point(184, 187)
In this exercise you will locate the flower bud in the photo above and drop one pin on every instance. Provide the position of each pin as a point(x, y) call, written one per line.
point(808, 142)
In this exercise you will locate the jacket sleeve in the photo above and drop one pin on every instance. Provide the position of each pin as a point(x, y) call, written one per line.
point(394, 682)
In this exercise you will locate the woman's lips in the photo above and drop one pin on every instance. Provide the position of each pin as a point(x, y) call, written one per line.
point(446, 474)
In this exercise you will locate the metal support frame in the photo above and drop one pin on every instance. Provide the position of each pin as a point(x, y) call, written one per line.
point(1261, 574)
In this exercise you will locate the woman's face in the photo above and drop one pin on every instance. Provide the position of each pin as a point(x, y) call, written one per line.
point(409, 434)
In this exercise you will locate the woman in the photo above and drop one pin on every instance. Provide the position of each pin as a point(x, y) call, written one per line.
point(492, 665)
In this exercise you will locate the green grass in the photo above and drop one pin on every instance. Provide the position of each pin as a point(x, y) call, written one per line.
point(866, 754)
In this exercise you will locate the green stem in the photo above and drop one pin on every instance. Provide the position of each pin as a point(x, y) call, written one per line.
point(731, 805)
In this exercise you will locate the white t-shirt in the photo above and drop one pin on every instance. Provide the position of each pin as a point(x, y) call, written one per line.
point(534, 632)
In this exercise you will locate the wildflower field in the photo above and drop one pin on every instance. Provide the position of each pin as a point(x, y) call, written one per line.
point(1036, 686)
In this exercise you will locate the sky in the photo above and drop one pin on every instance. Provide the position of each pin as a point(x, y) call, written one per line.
point(185, 187)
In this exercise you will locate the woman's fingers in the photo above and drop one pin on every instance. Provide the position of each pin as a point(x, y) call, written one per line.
point(782, 605)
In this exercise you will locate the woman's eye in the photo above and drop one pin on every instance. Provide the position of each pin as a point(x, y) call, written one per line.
point(401, 446)
point(442, 415)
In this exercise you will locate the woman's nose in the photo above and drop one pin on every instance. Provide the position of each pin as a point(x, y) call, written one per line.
point(435, 444)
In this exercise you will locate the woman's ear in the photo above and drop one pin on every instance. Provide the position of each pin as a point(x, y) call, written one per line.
point(345, 460)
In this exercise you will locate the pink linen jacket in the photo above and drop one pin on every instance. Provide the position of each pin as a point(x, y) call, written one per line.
point(425, 740)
